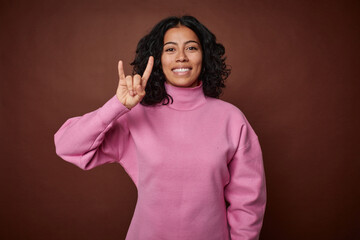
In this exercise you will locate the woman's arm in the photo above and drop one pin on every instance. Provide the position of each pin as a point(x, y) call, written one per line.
point(246, 191)
point(92, 139)
point(102, 136)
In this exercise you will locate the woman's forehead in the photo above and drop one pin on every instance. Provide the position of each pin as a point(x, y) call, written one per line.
point(180, 34)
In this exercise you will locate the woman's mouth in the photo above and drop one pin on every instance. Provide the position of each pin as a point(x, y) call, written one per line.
point(181, 71)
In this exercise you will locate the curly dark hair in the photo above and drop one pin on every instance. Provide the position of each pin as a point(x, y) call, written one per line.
point(214, 71)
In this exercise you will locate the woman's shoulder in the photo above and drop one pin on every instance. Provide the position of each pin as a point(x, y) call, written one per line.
point(235, 117)
point(225, 107)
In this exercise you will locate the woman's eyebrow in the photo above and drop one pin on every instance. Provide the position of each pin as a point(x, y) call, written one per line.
point(185, 42)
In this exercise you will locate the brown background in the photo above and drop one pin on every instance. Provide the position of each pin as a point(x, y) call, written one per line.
point(295, 76)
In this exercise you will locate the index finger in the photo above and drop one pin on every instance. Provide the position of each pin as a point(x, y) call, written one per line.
point(148, 70)
point(121, 70)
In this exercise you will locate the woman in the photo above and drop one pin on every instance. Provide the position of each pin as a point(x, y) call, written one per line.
point(187, 151)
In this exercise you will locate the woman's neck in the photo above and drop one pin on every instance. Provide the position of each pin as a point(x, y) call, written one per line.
point(186, 98)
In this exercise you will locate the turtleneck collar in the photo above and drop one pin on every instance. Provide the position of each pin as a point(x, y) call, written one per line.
point(185, 98)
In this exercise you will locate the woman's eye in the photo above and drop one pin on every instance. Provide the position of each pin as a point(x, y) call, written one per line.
point(192, 48)
point(169, 50)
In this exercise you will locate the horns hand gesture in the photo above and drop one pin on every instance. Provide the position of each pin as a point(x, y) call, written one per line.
point(131, 89)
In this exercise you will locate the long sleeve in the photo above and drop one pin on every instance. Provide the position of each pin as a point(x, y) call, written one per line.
point(96, 138)
point(246, 191)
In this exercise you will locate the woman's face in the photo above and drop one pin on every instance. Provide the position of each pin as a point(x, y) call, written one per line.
point(181, 57)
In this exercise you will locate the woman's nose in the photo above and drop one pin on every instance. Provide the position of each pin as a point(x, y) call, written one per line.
point(181, 57)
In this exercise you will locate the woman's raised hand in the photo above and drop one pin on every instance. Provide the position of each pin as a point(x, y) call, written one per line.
point(131, 89)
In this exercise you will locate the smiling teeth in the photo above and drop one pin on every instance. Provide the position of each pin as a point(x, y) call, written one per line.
point(181, 69)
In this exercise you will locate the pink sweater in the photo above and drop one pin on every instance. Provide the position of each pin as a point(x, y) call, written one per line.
point(186, 159)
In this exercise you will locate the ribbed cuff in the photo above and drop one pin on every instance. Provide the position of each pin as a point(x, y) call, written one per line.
point(112, 110)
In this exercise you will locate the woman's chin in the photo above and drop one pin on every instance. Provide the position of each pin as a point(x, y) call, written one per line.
point(183, 83)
